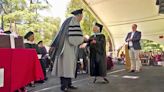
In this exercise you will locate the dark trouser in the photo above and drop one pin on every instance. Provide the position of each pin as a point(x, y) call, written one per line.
point(151, 62)
point(43, 65)
point(65, 82)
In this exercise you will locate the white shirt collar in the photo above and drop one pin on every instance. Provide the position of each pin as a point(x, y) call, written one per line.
point(26, 41)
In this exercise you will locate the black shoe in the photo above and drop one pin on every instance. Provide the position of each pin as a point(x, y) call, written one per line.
point(132, 71)
point(72, 87)
point(46, 78)
point(106, 80)
point(41, 81)
point(94, 81)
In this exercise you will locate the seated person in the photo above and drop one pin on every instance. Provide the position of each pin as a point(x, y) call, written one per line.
point(44, 57)
point(29, 43)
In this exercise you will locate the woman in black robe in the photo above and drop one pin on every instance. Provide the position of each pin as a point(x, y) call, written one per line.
point(97, 43)
point(29, 43)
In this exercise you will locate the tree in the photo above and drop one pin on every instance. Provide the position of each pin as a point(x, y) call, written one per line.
point(24, 16)
point(87, 21)
point(9, 6)
point(148, 45)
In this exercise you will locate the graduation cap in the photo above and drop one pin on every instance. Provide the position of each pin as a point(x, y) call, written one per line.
point(99, 25)
point(40, 42)
point(28, 34)
point(76, 12)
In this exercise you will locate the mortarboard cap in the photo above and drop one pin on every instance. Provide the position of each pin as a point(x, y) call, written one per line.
point(28, 34)
point(76, 12)
point(40, 42)
point(99, 25)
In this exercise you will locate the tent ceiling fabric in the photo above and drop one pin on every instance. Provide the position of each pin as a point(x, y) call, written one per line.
point(119, 15)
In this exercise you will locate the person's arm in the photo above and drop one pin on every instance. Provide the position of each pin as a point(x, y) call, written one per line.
point(89, 41)
point(127, 38)
point(75, 36)
point(38, 50)
point(138, 37)
point(45, 50)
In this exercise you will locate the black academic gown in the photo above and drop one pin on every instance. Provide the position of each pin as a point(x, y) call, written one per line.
point(32, 46)
point(98, 65)
point(42, 62)
point(58, 42)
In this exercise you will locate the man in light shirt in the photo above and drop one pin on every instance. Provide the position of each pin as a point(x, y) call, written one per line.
point(133, 40)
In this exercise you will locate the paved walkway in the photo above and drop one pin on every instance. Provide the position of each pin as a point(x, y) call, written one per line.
point(151, 79)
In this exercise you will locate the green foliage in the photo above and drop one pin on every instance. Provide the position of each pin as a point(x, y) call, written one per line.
point(38, 6)
point(148, 45)
point(88, 19)
point(10, 6)
point(27, 19)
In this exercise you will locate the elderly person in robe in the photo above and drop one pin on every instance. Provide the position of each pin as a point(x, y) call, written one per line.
point(66, 44)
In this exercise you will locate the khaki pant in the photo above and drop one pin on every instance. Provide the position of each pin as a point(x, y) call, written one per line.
point(134, 59)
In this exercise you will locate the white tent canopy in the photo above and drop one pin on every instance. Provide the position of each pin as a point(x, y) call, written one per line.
point(119, 15)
